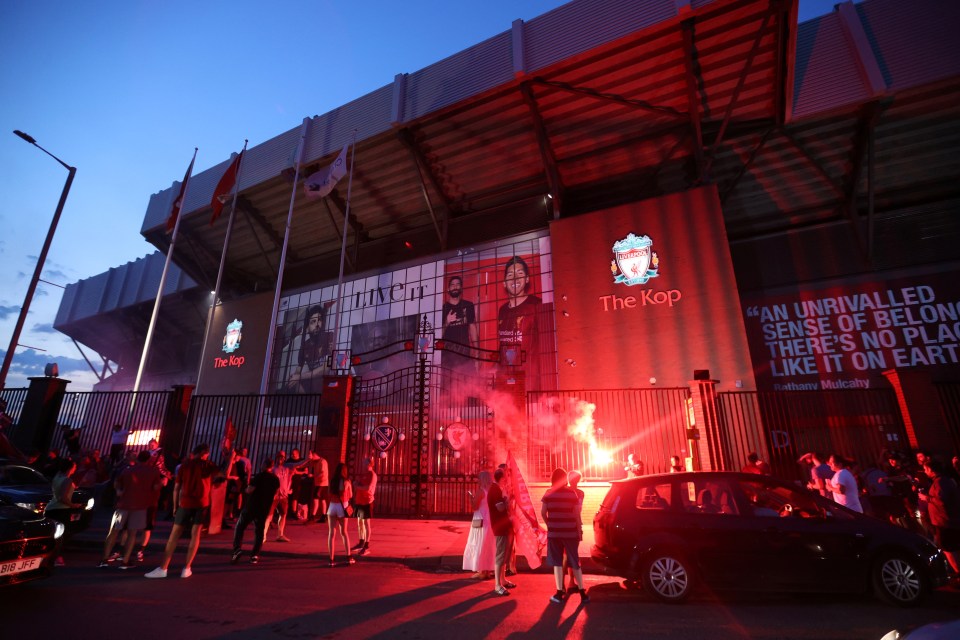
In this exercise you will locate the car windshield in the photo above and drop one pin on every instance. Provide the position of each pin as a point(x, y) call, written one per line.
point(16, 475)
point(776, 500)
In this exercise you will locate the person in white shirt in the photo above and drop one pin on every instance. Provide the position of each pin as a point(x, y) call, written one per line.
point(843, 485)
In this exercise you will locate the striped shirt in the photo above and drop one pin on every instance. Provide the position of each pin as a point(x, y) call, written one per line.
point(562, 505)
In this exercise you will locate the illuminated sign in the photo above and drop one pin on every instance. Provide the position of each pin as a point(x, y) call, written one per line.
point(231, 341)
point(635, 260)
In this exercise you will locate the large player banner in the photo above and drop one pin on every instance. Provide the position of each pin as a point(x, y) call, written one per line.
point(645, 294)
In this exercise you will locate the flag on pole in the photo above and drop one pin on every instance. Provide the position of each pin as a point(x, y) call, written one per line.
point(224, 187)
point(175, 212)
point(322, 182)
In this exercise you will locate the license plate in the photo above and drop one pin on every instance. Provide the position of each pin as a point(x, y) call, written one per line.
point(19, 566)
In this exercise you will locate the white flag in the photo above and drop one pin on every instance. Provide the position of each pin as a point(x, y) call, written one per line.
point(322, 182)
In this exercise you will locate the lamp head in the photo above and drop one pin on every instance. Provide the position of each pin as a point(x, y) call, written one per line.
point(25, 136)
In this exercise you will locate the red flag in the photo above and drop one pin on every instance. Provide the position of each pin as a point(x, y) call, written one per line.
point(529, 536)
point(175, 212)
point(224, 187)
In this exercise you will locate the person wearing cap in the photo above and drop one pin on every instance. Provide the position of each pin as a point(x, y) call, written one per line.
point(364, 489)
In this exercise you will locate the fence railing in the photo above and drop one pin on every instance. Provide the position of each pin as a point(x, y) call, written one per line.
point(593, 431)
point(949, 393)
point(783, 425)
point(15, 398)
point(93, 414)
point(264, 424)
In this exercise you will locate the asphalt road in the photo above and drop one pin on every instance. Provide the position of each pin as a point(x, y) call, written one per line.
point(299, 598)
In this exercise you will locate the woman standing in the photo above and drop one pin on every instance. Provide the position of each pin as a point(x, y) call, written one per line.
point(59, 507)
point(340, 492)
point(480, 552)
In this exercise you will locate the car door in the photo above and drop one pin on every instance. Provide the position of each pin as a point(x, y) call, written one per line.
point(710, 520)
point(803, 548)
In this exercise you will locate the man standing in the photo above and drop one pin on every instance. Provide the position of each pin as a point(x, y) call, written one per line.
point(118, 443)
point(191, 498)
point(561, 511)
point(364, 489)
point(756, 465)
point(137, 488)
point(260, 494)
point(502, 529)
point(634, 466)
point(281, 503)
point(317, 467)
point(459, 326)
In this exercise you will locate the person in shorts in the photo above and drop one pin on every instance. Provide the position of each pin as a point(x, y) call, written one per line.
point(136, 489)
point(364, 489)
point(561, 511)
point(499, 505)
point(191, 497)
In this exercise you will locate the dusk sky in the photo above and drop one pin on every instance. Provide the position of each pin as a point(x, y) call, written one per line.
point(124, 90)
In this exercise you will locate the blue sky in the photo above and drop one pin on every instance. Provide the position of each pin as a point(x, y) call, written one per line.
point(125, 89)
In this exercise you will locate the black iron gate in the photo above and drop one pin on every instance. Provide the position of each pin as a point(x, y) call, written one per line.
point(444, 434)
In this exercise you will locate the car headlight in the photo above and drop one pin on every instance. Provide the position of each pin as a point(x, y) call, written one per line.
point(89, 504)
point(31, 506)
point(58, 531)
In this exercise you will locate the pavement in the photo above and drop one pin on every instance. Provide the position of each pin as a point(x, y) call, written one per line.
point(429, 545)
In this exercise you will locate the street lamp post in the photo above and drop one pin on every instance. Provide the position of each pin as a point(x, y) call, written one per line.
point(15, 338)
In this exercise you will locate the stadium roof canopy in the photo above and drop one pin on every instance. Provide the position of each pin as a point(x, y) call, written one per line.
point(594, 104)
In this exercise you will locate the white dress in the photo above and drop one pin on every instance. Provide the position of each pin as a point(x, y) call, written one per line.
point(481, 550)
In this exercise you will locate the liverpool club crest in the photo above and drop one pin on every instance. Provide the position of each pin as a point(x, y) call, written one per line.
point(384, 436)
point(231, 341)
point(635, 261)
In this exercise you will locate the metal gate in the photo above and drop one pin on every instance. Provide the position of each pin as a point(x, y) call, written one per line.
point(444, 436)
point(594, 431)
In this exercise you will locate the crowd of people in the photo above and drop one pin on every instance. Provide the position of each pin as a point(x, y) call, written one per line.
point(918, 491)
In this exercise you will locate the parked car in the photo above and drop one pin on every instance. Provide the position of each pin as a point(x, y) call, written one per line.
point(27, 488)
point(749, 532)
point(28, 543)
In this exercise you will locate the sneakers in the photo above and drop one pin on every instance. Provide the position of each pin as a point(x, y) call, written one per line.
point(500, 591)
point(254, 559)
point(235, 557)
point(114, 557)
point(351, 560)
point(584, 598)
point(126, 567)
point(186, 573)
point(283, 539)
point(159, 572)
point(558, 597)
point(508, 584)
point(103, 564)
point(357, 546)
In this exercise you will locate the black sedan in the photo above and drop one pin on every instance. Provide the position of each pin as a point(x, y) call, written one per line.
point(28, 544)
point(750, 532)
point(27, 488)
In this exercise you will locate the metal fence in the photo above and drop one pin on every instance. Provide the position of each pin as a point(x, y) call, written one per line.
point(949, 393)
point(93, 414)
point(15, 400)
point(783, 425)
point(594, 431)
point(264, 424)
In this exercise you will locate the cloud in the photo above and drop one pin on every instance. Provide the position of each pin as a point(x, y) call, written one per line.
point(8, 311)
point(44, 328)
point(31, 363)
point(55, 274)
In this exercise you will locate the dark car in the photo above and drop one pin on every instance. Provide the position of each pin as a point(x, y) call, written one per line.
point(28, 543)
point(27, 488)
point(750, 532)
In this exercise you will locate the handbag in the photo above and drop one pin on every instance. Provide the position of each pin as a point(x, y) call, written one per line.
point(477, 523)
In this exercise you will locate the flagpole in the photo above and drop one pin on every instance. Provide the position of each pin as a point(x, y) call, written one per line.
point(265, 376)
point(343, 247)
point(163, 279)
point(223, 261)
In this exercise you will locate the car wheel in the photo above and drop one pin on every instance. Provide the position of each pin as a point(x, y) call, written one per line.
point(668, 576)
point(898, 580)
